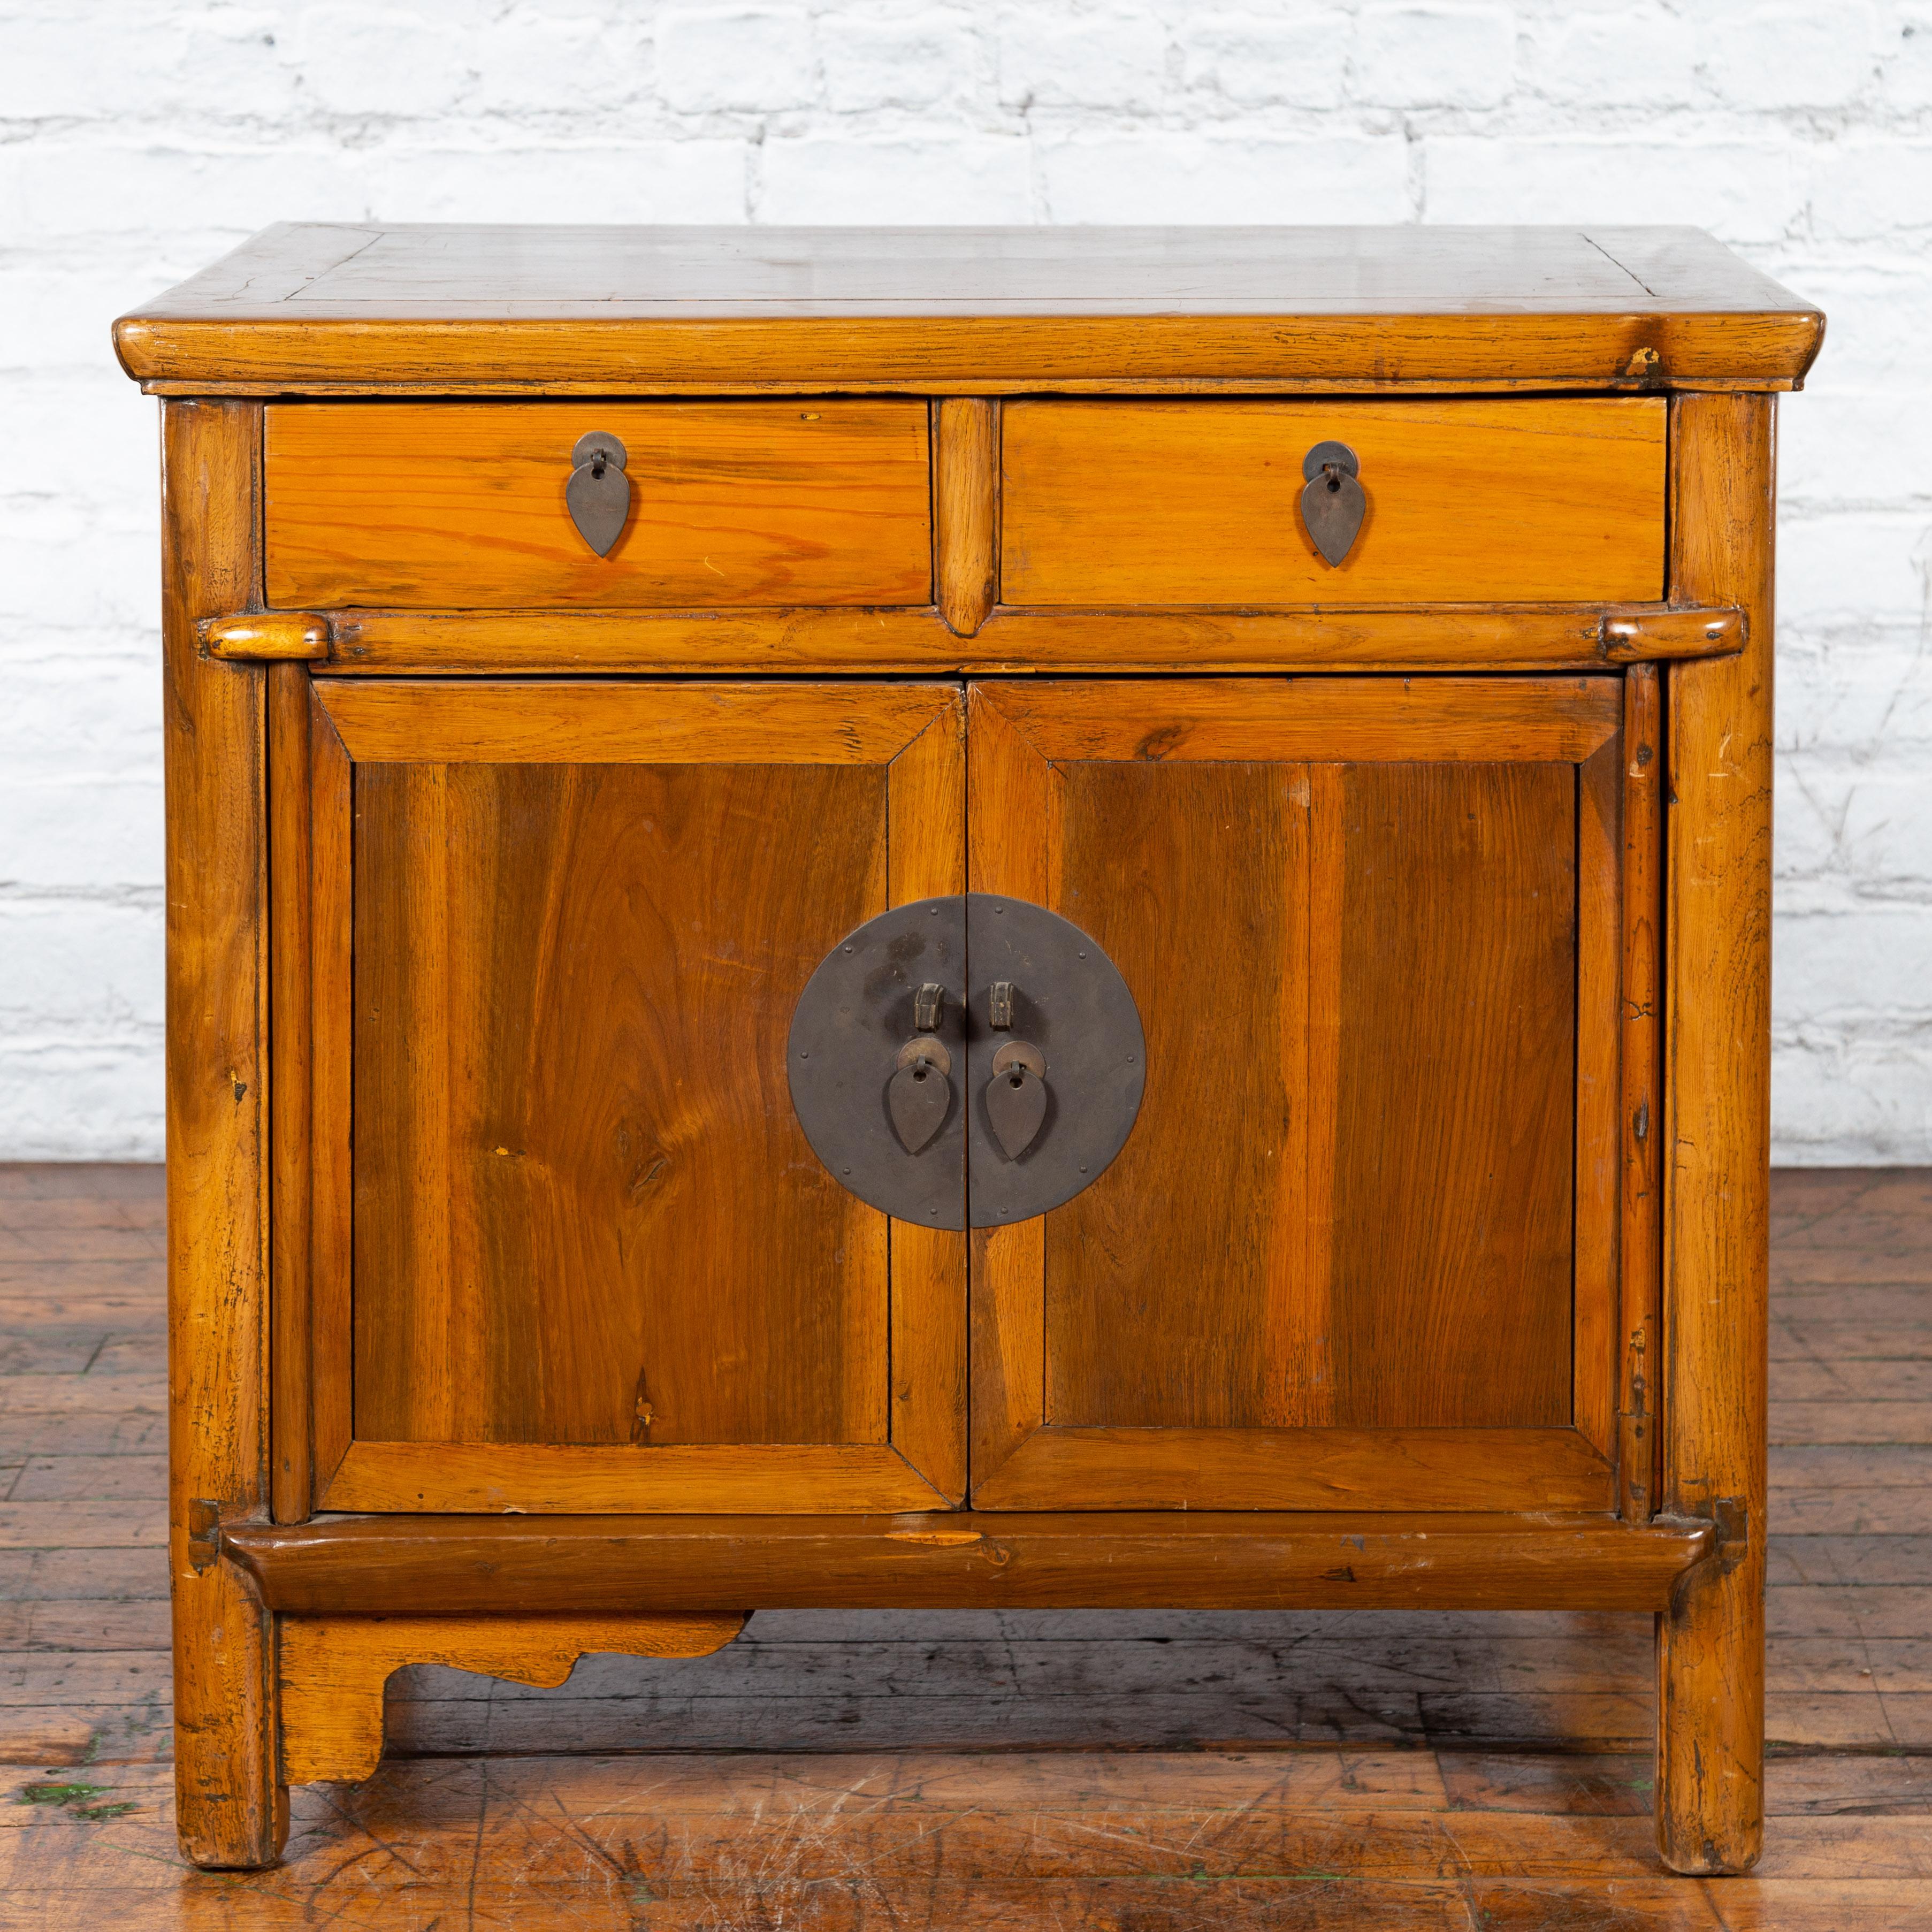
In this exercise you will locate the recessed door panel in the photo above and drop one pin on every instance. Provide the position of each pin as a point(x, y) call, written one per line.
point(583, 1255)
point(1337, 1260)
point(1448, 1194)
point(582, 1214)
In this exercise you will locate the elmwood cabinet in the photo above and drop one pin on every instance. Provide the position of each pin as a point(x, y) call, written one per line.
point(602, 675)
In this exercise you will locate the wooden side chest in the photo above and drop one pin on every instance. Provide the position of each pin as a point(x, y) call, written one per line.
point(960, 918)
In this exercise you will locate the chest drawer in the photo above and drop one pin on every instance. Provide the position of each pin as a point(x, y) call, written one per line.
point(1198, 503)
point(462, 506)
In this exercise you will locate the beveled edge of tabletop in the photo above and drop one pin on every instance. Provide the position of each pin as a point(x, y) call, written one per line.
point(318, 308)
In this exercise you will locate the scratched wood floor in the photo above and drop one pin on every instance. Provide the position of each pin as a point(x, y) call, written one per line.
point(1127, 1772)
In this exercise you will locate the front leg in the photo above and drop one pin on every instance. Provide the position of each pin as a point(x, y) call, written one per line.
point(231, 1806)
point(1710, 1775)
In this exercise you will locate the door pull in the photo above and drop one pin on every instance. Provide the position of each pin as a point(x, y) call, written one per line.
point(919, 1095)
point(1016, 1096)
point(943, 986)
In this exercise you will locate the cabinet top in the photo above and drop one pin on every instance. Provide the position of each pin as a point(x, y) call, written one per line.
point(316, 308)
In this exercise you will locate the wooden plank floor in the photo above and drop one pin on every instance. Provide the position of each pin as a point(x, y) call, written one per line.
point(1131, 1772)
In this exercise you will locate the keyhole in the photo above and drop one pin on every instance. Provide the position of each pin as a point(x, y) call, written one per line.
point(1334, 480)
point(1015, 1079)
point(598, 461)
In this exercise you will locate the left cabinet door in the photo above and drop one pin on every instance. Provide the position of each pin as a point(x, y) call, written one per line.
point(569, 1248)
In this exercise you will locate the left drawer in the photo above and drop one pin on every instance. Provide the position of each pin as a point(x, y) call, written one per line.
point(462, 506)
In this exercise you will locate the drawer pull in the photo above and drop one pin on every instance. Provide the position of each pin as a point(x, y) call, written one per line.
point(1333, 501)
point(598, 493)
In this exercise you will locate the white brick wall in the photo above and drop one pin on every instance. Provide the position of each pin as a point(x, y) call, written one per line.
point(138, 138)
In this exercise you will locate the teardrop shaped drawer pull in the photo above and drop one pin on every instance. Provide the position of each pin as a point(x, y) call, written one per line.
point(599, 493)
point(1333, 502)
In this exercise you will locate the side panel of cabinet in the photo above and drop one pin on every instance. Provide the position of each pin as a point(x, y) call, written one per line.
point(1361, 1246)
point(572, 1249)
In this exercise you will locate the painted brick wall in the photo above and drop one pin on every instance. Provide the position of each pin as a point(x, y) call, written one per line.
point(139, 139)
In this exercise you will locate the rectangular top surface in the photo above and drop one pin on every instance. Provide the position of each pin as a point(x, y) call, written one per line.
point(483, 271)
point(864, 295)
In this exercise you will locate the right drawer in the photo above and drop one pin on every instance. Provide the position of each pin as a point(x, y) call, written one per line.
point(1544, 500)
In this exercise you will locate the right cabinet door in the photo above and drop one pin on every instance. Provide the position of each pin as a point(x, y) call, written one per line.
point(1359, 1251)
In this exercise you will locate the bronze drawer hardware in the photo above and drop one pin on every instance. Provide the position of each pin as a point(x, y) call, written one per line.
point(1016, 1096)
point(1000, 1005)
point(1026, 1146)
point(599, 493)
point(919, 1095)
point(1333, 501)
point(1068, 1000)
point(872, 1014)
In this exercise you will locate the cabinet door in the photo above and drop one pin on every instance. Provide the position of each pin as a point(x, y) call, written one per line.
point(571, 1251)
point(1360, 1249)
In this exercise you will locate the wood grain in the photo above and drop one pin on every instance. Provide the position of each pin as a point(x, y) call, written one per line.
point(1038, 1726)
point(291, 1016)
point(331, 1039)
point(1451, 1271)
point(730, 503)
point(539, 1347)
point(273, 636)
point(436, 989)
point(1325, 719)
point(1034, 1728)
point(1012, 792)
point(1598, 1163)
point(497, 268)
point(1377, 1835)
point(1191, 1312)
point(1428, 1467)
point(1198, 502)
point(484, 721)
point(332, 1671)
point(1464, 637)
point(1384, 1241)
point(1640, 1125)
point(605, 311)
point(231, 1809)
point(572, 1478)
point(966, 510)
point(524, 1259)
point(377, 1565)
point(574, 982)
point(1718, 1065)
point(925, 858)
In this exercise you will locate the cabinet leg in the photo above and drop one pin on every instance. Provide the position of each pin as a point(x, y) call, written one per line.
point(1717, 1142)
point(232, 1808)
point(1710, 1719)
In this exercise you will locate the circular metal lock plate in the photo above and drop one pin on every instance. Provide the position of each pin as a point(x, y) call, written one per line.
point(855, 1013)
point(1071, 1004)
point(1070, 1007)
